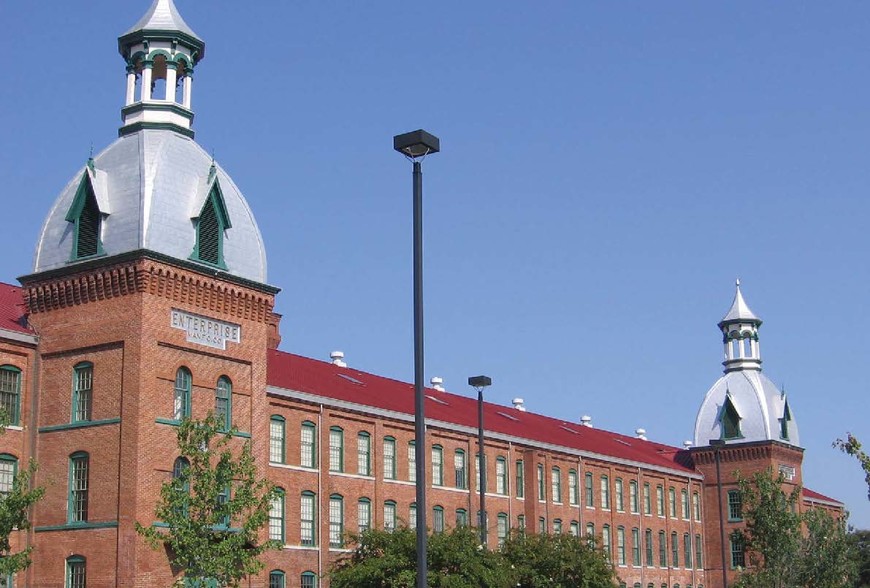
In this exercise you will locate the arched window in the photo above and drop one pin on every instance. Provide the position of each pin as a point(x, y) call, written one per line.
point(363, 454)
point(412, 515)
point(77, 509)
point(556, 484)
point(635, 546)
point(83, 383)
point(412, 460)
point(213, 220)
point(307, 519)
point(573, 489)
point(521, 479)
point(8, 470)
point(648, 543)
point(276, 516)
point(632, 496)
point(501, 475)
point(336, 520)
point(605, 541)
point(620, 546)
point(461, 517)
point(10, 394)
point(684, 503)
point(308, 445)
point(605, 492)
point(223, 403)
point(76, 572)
point(663, 550)
point(85, 215)
point(590, 496)
point(389, 458)
point(276, 579)
point(557, 526)
point(363, 515)
point(575, 529)
point(675, 550)
point(390, 516)
point(460, 470)
point(502, 528)
point(687, 550)
point(437, 465)
point(277, 425)
point(747, 346)
point(336, 449)
point(308, 580)
point(181, 403)
point(438, 518)
point(179, 467)
point(620, 497)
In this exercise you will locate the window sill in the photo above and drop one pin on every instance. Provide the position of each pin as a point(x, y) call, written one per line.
point(176, 423)
point(77, 526)
point(79, 425)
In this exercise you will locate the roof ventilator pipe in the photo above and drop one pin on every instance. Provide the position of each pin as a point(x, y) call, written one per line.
point(337, 358)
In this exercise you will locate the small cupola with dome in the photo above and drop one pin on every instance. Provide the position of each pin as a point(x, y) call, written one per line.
point(161, 51)
point(740, 335)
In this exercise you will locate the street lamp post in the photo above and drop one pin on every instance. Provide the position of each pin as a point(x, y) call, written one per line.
point(415, 146)
point(479, 383)
point(717, 444)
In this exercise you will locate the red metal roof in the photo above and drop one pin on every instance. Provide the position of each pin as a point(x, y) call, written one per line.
point(12, 309)
point(311, 376)
point(812, 495)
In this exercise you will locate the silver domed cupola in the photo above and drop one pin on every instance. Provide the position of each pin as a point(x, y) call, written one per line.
point(744, 405)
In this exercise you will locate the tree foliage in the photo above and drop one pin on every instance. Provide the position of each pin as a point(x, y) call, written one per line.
point(14, 510)
point(860, 541)
point(456, 560)
point(852, 446)
point(212, 510)
point(786, 548)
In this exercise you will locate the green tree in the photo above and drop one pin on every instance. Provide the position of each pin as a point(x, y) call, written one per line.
point(786, 548)
point(14, 510)
point(852, 447)
point(213, 508)
point(558, 560)
point(389, 559)
point(860, 541)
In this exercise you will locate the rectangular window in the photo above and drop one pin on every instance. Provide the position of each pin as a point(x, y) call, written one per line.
point(390, 516)
point(336, 521)
point(738, 559)
point(336, 449)
point(438, 519)
point(542, 525)
point(363, 515)
point(620, 503)
point(309, 580)
point(735, 506)
point(308, 446)
point(557, 526)
point(632, 496)
point(540, 483)
point(412, 516)
point(437, 466)
point(276, 579)
point(687, 550)
point(502, 529)
point(521, 479)
point(605, 542)
point(276, 439)
point(461, 517)
point(696, 505)
point(635, 547)
point(647, 505)
point(590, 497)
point(605, 492)
point(83, 381)
point(412, 461)
point(76, 573)
point(556, 485)
point(663, 550)
point(78, 488)
point(675, 550)
point(699, 558)
point(223, 403)
point(500, 475)
point(672, 502)
point(364, 454)
point(389, 458)
point(459, 469)
point(307, 515)
point(573, 490)
point(620, 546)
point(648, 542)
point(8, 465)
point(684, 503)
point(276, 517)
point(575, 529)
point(660, 500)
point(181, 399)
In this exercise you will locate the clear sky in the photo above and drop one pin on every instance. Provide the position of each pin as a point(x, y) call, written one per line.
point(607, 171)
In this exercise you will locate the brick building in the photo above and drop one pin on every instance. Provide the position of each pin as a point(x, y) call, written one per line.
point(148, 301)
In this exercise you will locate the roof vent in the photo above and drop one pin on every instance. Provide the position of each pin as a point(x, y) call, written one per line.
point(586, 420)
point(641, 433)
point(687, 444)
point(337, 358)
point(437, 383)
point(518, 404)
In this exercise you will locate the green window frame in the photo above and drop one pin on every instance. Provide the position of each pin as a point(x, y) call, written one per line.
point(363, 515)
point(500, 475)
point(412, 515)
point(675, 550)
point(647, 503)
point(390, 515)
point(573, 489)
point(223, 403)
point(412, 461)
point(620, 546)
point(632, 497)
point(620, 495)
point(211, 225)
point(521, 478)
point(738, 556)
point(8, 471)
point(182, 402)
point(308, 445)
point(696, 505)
point(574, 529)
point(308, 580)
point(461, 517)
point(82, 391)
point(648, 543)
point(477, 471)
point(542, 524)
point(540, 483)
point(699, 554)
point(672, 502)
point(363, 454)
point(590, 494)
point(730, 420)
point(605, 542)
point(460, 469)
point(605, 492)
point(502, 527)
point(437, 465)
point(308, 519)
point(521, 523)
point(277, 579)
point(77, 507)
point(10, 394)
point(86, 217)
point(663, 550)
point(557, 526)
point(687, 550)
point(684, 503)
point(336, 449)
point(784, 421)
point(276, 516)
point(590, 531)
point(635, 546)
point(660, 500)
point(556, 485)
point(277, 439)
point(336, 521)
point(437, 518)
point(76, 572)
point(735, 506)
point(390, 458)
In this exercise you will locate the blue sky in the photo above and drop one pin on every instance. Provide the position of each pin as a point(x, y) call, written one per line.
point(607, 171)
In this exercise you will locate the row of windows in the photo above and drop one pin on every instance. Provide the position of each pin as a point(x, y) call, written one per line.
point(621, 557)
point(182, 398)
point(277, 579)
point(308, 458)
